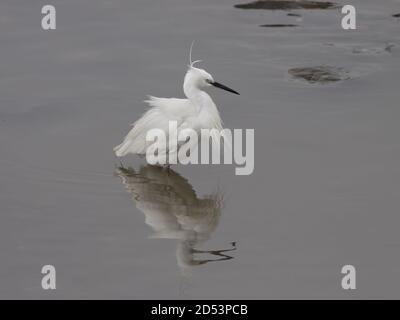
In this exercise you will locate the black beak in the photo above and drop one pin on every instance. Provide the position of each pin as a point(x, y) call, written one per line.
point(221, 86)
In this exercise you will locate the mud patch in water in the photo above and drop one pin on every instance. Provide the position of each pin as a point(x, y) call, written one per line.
point(319, 74)
point(278, 25)
point(290, 14)
point(286, 5)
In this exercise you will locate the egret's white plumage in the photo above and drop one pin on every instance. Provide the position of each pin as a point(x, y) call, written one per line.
point(197, 111)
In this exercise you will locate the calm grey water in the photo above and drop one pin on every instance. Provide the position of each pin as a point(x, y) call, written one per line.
point(326, 186)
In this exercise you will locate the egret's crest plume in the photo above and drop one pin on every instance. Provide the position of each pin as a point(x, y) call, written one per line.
point(191, 63)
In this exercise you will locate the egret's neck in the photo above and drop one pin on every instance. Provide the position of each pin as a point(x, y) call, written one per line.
point(192, 89)
point(192, 92)
point(199, 98)
point(201, 101)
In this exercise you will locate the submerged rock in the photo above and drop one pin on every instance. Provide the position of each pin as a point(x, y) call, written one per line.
point(286, 5)
point(278, 25)
point(389, 47)
point(320, 74)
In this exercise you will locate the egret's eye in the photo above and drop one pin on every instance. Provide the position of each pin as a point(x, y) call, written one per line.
point(208, 80)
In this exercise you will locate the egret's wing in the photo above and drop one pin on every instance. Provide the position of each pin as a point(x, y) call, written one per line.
point(162, 111)
point(171, 107)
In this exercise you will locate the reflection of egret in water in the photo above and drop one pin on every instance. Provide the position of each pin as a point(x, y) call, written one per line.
point(173, 210)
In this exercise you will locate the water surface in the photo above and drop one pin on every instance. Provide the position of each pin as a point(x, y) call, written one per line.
point(324, 193)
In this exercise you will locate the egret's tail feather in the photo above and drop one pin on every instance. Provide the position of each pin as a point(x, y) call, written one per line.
point(135, 141)
point(121, 149)
point(135, 146)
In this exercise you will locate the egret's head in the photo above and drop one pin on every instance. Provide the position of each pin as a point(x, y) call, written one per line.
point(201, 79)
point(198, 77)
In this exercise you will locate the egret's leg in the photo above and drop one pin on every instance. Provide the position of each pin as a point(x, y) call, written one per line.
point(167, 168)
point(216, 252)
point(219, 253)
point(120, 162)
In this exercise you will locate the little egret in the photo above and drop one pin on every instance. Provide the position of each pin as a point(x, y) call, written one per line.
point(197, 111)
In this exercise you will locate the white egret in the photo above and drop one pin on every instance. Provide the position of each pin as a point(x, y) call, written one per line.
point(197, 111)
